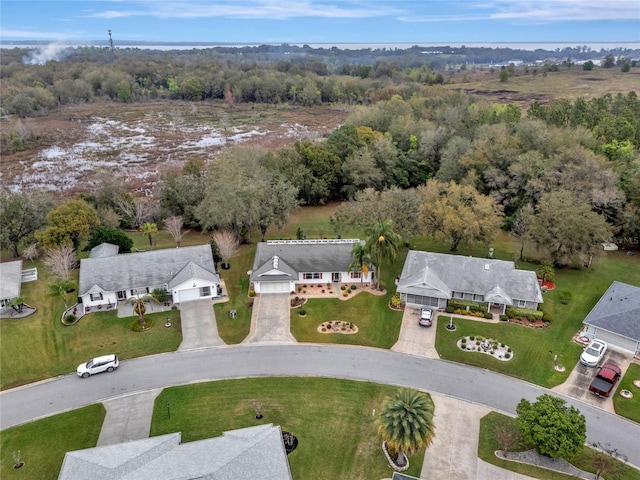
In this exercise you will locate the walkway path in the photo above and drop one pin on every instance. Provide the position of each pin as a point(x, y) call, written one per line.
point(199, 327)
point(128, 418)
point(271, 319)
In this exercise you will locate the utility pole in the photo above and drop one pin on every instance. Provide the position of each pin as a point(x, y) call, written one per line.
point(113, 52)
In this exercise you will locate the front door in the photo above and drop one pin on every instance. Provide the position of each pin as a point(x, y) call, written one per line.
point(336, 276)
point(122, 295)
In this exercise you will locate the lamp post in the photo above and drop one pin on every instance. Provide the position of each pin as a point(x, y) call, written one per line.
point(451, 327)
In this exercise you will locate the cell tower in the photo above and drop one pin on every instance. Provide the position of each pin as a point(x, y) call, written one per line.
point(113, 52)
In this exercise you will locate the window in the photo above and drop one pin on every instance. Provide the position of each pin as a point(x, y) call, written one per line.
point(355, 274)
point(478, 298)
point(522, 303)
point(456, 294)
point(312, 276)
point(95, 296)
point(468, 296)
point(205, 291)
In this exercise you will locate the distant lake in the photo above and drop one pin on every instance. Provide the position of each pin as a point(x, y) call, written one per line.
point(550, 46)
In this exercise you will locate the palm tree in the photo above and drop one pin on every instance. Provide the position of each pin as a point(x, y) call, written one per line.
point(406, 423)
point(150, 229)
point(139, 307)
point(382, 247)
point(360, 260)
point(59, 288)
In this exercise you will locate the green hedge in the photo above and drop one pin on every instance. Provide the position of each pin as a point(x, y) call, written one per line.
point(524, 312)
point(459, 303)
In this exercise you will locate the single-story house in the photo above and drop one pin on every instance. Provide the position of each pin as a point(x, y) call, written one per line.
point(280, 265)
point(10, 281)
point(187, 273)
point(432, 279)
point(615, 319)
point(244, 454)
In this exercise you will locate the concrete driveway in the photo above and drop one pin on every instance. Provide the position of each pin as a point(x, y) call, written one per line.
point(271, 319)
point(577, 384)
point(199, 327)
point(414, 339)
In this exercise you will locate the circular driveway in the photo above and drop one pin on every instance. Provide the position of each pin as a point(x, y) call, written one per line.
point(496, 391)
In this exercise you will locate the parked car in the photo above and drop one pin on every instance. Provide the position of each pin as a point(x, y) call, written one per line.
point(604, 381)
point(426, 317)
point(593, 353)
point(105, 363)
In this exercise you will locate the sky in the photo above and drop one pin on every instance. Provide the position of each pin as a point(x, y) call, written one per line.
point(322, 21)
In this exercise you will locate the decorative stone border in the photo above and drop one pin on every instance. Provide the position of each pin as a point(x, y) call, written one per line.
point(393, 464)
point(626, 394)
point(338, 326)
point(636, 383)
point(486, 346)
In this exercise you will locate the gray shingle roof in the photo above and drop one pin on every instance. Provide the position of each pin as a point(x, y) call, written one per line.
point(618, 311)
point(132, 270)
point(438, 274)
point(10, 279)
point(104, 250)
point(294, 258)
point(248, 453)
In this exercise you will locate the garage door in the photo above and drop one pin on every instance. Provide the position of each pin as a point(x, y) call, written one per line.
point(189, 294)
point(616, 340)
point(274, 287)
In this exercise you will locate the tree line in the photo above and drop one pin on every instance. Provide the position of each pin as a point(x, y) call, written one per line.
point(565, 176)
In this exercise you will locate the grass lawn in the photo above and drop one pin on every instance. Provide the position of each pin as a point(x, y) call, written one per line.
point(585, 460)
point(629, 407)
point(43, 443)
point(378, 325)
point(332, 420)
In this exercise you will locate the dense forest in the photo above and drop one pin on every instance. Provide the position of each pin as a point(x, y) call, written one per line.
point(565, 176)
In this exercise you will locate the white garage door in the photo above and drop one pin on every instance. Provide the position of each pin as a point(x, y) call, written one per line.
point(274, 287)
point(189, 294)
point(616, 340)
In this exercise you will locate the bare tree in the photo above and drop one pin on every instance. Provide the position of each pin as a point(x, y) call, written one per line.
point(227, 245)
point(31, 252)
point(173, 225)
point(137, 210)
point(61, 260)
point(507, 437)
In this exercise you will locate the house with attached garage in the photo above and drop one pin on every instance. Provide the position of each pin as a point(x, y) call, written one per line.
point(280, 266)
point(432, 279)
point(11, 283)
point(186, 273)
point(615, 319)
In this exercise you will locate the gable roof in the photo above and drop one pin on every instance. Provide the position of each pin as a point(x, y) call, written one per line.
point(155, 267)
point(104, 250)
point(618, 311)
point(11, 278)
point(192, 270)
point(296, 256)
point(247, 453)
point(439, 274)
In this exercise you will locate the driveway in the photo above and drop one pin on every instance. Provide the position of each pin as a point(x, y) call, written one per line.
point(199, 327)
point(271, 319)
point(414, 339)
point(577, 384)
point(482, 387)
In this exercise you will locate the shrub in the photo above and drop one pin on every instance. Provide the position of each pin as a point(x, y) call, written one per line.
point(488, 315)
point(448, 309)
point(299, 289)
point(70, 318)
point(507, 355)
point(345, 293)
point(395, 300)
point(353, 287)
point(524, 312)
point(504, 318)
point(456, 302)
point(546, 316)
point(342, 287)
point(472, 337)
point(252, 293)
point(302, 312)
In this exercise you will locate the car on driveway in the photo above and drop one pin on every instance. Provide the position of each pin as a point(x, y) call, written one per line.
point(105, 363)
point(593, 353)
point(426, 317)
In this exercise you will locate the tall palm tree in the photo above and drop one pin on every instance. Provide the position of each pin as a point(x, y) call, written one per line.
point(139, 307)
point(382, 247)
point(149, 229)
point(59, 288)
point(360, 260)
point(406, 423)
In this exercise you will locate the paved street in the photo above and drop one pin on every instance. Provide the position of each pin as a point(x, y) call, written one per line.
point(482, 387)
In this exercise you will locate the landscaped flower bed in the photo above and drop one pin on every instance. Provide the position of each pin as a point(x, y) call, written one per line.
point(487, 346)
point(337, 326)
